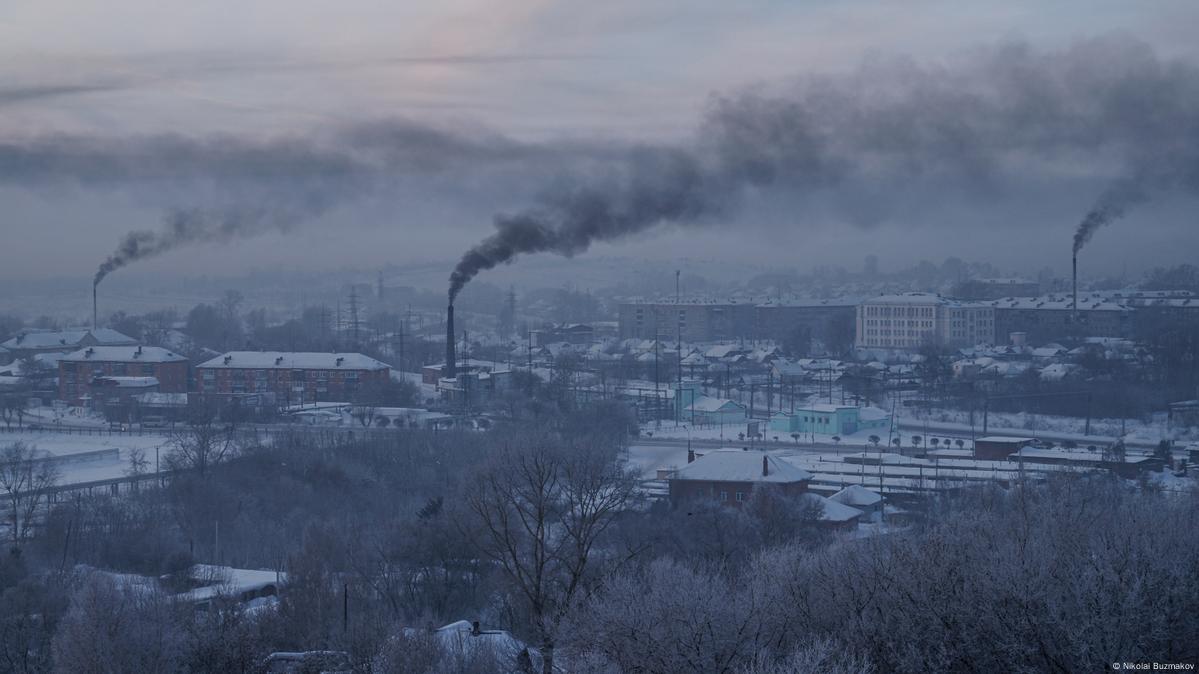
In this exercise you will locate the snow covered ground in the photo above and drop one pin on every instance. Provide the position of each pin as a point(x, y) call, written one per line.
point(79, 456)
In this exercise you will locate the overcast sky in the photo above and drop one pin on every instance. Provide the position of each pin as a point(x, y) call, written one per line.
point(541, 73)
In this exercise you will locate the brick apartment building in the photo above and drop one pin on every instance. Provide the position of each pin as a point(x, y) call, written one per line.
point(730, 476)
point(293, 378)
point(77, 371)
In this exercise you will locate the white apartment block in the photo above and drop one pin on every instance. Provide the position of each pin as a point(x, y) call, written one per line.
point(913, 320)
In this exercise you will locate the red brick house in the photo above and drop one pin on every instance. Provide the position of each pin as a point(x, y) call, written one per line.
point(293, 378)
point(77, 371)
point(730, 476)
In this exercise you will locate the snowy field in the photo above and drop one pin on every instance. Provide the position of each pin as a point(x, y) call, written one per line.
point(82, 458)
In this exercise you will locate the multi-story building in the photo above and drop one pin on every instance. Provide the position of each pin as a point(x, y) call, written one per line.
point(692, 321)
point(823, 319)
point(34, 342)
point(293, 378)
point(79, 370)
point(914, 320)
point(1053, 318)
point(700, 321)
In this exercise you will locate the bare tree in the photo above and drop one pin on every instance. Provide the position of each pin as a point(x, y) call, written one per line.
point(541, 508)
point(202, 442)
point(24, 480)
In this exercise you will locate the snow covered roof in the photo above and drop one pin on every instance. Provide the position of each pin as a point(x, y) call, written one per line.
point(725, 350)
point(228, 581)
point(51, 339)
point(857, 495)
point(920, 299)
point(1059, 303)
point(123, 354)
point(1004, 439)
point(735, 465)
point(461, 638)
point(832, 511)
point(873, 414)
point(294, 361)
point(1058, 371)
point(708, 404)
point(822, 408)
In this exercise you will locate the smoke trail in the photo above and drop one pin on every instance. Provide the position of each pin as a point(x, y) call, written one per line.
point(855, 148)
point(182, 227)
point(655, 185)
point(1111, 206)
point(893, 134)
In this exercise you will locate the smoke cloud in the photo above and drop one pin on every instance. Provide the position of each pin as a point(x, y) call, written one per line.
point(976, 129)
point(854, 148)
point(1110, 207)
point(183, 227)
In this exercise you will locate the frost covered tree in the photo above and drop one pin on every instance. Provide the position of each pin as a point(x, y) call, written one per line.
point(24, 481)
point(539, 506)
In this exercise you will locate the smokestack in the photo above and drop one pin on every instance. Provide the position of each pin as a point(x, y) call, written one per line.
point(451, 360)
point(94, 312)
point(1074, 315)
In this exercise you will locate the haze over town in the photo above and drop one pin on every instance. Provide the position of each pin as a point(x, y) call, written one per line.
point(598, 337)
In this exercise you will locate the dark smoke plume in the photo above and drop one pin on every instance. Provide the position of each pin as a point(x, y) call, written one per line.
point(888, 142)
point(183, 227)
point(655, 186)
point(1111, 206)
point(890, 132)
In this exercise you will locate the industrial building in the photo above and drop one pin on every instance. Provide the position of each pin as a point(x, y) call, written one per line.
point(914, 320)
point(291, 377)
point(109, 367)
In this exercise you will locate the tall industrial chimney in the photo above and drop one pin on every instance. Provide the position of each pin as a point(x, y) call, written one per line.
point(451, 359)
point(1074, 315)
point(94, 312)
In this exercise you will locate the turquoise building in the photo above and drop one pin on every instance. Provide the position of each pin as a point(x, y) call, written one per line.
point(823, 419)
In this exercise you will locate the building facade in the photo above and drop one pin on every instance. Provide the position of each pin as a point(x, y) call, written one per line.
point(1053, 318)
point(697, 321)
point(916, 320)
point(78, 371)
point(692, 321)
point(293, 378)
point(825, 320)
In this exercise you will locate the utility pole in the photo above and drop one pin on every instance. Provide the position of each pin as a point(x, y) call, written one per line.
point(678, 323)
point(657, 391)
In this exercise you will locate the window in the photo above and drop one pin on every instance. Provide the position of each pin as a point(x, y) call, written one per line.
point(724, 496)
point(740, 496)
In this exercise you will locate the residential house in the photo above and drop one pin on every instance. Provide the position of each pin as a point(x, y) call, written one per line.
point(729, 477)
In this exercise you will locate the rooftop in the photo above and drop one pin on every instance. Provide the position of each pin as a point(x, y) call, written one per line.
point(735, 465)
point(275, 360)
point(50, 339)
point(123, 354)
